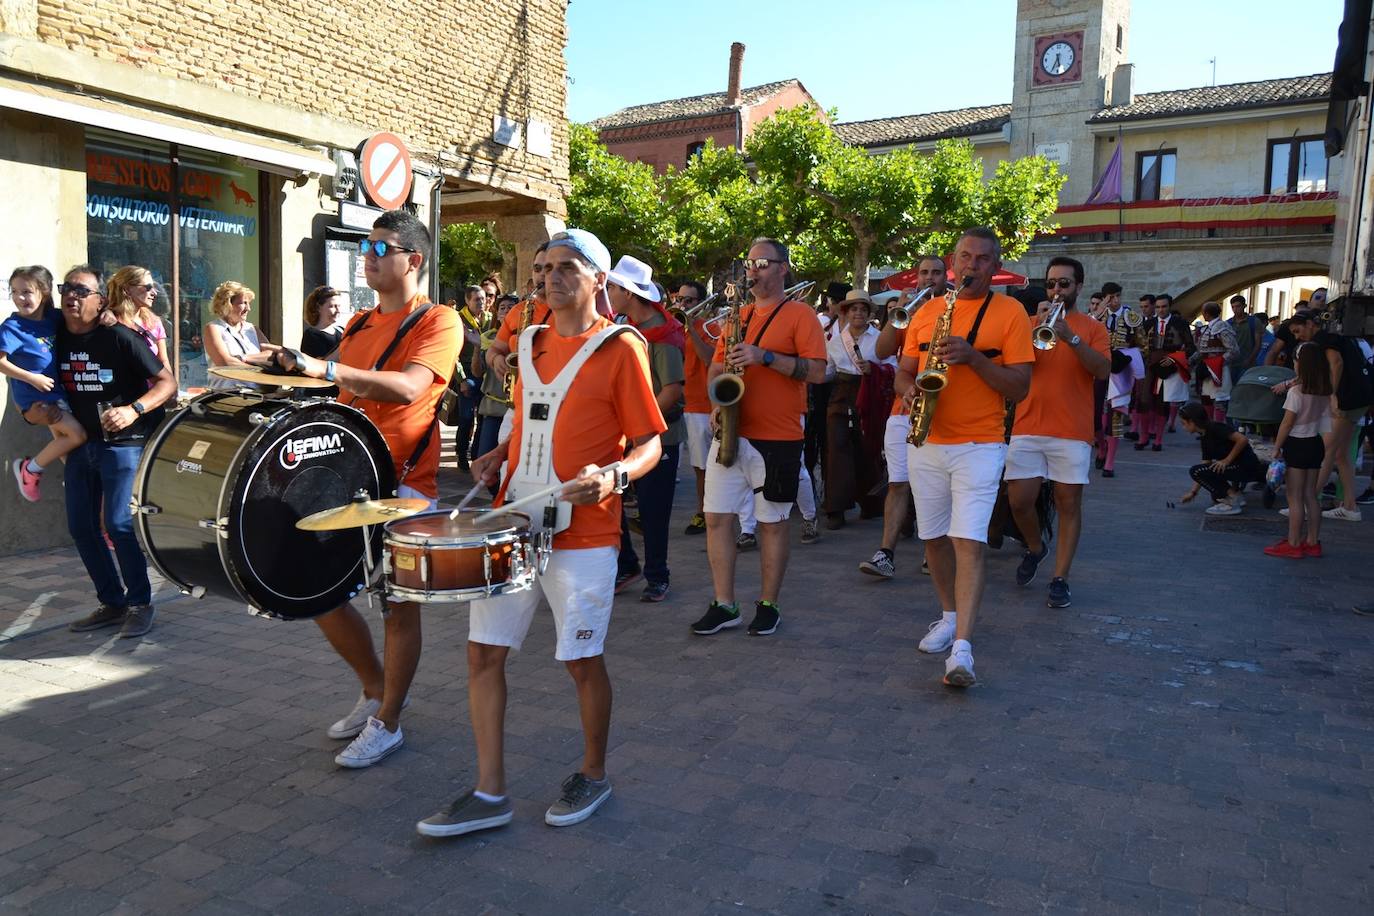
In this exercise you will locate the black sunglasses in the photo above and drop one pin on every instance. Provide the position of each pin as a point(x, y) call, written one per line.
point(75, 289)
point(1061, 283)
point(381, 249)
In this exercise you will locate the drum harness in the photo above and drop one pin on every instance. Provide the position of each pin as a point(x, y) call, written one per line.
point(542, 402)
point(410, 321)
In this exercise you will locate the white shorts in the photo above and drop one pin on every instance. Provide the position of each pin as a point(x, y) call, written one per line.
point(730, 490)
point(955, 488)
point(894, 447)
point(698, 438)
point(405, 492)
point(1060, 460)
point(1174, 390)
point(580, 588)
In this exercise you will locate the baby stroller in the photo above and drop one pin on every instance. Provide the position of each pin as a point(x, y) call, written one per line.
point(1254, 403)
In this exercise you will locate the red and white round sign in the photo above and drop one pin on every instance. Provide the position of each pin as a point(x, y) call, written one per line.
point(384, 167)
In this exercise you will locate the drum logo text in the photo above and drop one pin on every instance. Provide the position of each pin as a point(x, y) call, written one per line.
point(188, 467)
point(294, 451)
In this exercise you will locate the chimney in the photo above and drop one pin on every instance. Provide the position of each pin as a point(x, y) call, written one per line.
point(1123, 85)
point(736, 64)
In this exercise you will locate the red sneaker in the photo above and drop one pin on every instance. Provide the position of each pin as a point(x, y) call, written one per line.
point(1312, 550)
point(1284, 549)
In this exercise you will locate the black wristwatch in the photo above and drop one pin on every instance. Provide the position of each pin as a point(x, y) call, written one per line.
point(138, 408)
point(768, 357)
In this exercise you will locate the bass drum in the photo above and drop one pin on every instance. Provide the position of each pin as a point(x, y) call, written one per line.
point(223, 482)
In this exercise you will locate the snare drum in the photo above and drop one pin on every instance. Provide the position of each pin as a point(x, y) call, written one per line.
point(223, 482)
point(432, 558)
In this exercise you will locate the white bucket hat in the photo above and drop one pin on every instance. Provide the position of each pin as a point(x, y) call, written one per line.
point(636, 276)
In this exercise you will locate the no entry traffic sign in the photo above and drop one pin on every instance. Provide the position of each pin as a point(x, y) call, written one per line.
point(384, 167)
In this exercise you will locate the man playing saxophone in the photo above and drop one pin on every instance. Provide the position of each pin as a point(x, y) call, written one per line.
point(780, 349)
point(955, 472)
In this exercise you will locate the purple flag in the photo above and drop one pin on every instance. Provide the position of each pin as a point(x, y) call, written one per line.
point(1108, 187)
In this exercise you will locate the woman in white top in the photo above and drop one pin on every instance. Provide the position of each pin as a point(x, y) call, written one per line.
point(231, 336)
point(849, 472)
point(1306, 418)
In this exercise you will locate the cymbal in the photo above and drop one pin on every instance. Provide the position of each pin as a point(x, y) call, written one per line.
point(258, 377)
point(363, 512)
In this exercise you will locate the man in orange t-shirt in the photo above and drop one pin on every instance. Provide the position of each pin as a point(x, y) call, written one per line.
point(400, 398)
point(606, 404)
point(782, 348)
point(697, 410)
point(1053, 434)
point(955, 474)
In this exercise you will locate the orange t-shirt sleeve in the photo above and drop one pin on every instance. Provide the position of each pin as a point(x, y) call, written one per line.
point(635, 405)
point(508, 325)
point(806, 331)
point(1016, 341)
point(436, 346)
point(1097, 339)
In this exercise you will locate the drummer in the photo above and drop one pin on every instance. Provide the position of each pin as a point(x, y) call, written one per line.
point(588, 410)
point(400, 397)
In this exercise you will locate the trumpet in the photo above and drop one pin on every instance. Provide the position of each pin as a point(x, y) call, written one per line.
point(1043, 336)
point(685, 316)
point(900, 316)
point(798, 290)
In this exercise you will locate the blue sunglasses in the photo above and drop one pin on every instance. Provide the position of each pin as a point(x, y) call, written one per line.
point(381, 249)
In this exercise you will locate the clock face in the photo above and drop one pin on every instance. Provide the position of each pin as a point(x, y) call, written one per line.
point(1057, 59)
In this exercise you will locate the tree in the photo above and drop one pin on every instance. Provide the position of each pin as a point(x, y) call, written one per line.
point(620, 202)
point(892, 207)
point(468, 252)
point(713, 208)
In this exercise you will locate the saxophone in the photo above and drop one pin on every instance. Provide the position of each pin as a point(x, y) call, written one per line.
point(935, 376)
point(513, 357)
point(726, 389)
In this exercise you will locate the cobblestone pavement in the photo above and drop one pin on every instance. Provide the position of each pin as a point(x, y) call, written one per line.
point(1192, 736)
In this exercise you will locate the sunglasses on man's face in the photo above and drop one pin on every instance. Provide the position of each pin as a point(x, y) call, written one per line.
point(759, 263)
point(684, 300)
point(75, 289)
point(381, 249)
point(1061, 283)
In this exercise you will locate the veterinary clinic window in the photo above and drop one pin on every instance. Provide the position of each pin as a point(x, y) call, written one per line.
point(135, 194)
point(1155, 174)
point(1296, 166)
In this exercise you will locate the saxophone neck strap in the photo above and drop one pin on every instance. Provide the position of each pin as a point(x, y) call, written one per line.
point(766, 322)
point(973, 331)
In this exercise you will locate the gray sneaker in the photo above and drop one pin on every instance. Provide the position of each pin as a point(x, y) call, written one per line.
point(810, 533)
point(746, 541)
point(581, 797)
point(138, 621)
point(101, 617)
point(467, 814)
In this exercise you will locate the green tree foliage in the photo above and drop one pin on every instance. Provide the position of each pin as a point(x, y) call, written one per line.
point(468, 252)
point(840, 209)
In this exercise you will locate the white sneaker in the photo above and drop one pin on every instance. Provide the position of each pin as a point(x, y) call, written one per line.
point(373, 743)
point(1284, 512)
point(1344, 514)
point(1223, 507)
point(357, 717)
point(939, 636)
point(959, 667)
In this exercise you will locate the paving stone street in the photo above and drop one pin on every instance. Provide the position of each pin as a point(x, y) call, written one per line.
point(1193, 735)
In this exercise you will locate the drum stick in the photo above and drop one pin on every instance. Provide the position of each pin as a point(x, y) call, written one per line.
point(544, 494)
point(466, 499)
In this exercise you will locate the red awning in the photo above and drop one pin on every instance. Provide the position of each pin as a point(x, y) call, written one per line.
point(908, 278)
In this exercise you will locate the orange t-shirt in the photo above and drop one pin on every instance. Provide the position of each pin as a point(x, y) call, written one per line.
point(1060, 402)
point(970, 410)
point(510, 325)
point(433, 343)
point(695, 369)
point(773, 403)
point(610, 402)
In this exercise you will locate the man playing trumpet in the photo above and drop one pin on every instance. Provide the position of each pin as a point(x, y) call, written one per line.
point(1053, 434)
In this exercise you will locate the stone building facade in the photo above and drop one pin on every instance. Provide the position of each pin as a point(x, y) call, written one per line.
point(210, 140)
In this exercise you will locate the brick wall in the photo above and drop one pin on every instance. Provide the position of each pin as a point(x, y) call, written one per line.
point(437, 81)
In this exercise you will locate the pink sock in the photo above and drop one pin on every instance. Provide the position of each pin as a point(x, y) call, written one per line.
point(1110, 463)
point(1173, 415)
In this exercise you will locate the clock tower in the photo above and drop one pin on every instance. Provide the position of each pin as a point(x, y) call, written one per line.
point(1067, 52)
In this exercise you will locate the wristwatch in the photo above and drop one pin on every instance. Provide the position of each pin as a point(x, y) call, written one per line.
point(329, 367)
point(138, 408)
point(768, 357)
point(622, 481)
point(1075, 340)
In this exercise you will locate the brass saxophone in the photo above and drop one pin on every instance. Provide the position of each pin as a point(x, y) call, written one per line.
point(935, 376)
point(726, 389)
point(513, 357)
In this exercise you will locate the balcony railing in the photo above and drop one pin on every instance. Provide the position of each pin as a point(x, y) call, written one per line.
point(1202, 217)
